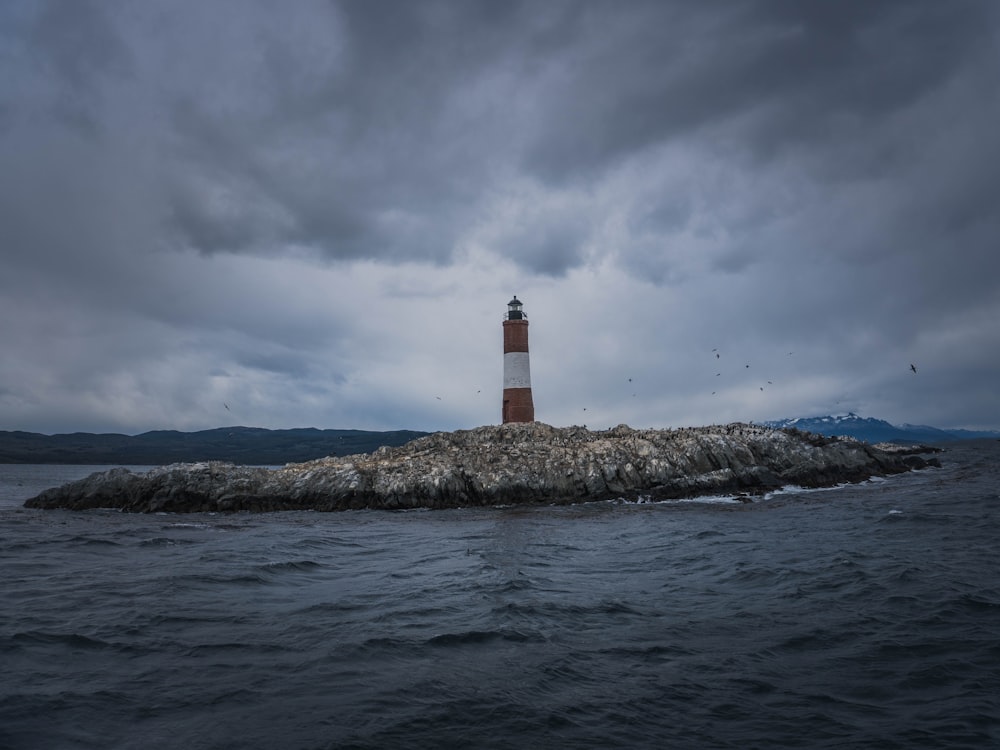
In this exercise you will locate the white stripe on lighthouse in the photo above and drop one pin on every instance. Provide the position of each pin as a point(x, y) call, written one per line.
point(515, 370)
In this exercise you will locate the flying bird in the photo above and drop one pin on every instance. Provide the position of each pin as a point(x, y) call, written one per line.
point(226, 405)
point(913, 367)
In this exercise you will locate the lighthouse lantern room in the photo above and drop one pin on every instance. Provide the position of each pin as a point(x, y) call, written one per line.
point(517, 402)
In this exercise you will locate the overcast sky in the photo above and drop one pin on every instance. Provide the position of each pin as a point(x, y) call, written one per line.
point(314, 213)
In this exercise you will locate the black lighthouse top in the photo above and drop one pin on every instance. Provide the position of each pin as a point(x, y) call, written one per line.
point(514, 310)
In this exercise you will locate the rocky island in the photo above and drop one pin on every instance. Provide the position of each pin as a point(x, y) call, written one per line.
point(497, 465)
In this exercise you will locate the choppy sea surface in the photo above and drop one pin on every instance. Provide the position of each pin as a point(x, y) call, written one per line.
point(861, 616)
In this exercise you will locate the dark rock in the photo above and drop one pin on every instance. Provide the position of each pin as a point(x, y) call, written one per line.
point(495, 465)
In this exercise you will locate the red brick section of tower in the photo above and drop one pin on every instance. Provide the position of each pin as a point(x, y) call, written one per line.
point(517, 403)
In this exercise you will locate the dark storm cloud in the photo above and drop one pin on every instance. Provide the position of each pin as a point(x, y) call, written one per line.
point(801, 72)
point(355, 162)
point(78, 41)
point(375, 130)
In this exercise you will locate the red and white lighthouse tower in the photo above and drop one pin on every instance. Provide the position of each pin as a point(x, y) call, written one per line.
point(517, 403)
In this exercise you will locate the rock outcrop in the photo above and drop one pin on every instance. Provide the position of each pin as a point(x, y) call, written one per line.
point(496, 465)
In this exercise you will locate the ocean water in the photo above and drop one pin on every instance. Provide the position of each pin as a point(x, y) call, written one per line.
point(861, 616)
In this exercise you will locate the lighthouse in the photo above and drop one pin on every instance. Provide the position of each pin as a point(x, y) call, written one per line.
point(517, 404)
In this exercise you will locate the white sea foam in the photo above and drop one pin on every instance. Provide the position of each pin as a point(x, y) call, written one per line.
point(702, 499)
point(799, 490)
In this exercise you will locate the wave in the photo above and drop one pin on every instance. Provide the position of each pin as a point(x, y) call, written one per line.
point(474, 637)
point(289, 565)
point(72, 640)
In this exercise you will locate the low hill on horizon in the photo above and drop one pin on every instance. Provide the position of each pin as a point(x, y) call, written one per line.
point(263, 447)
point(238, 445)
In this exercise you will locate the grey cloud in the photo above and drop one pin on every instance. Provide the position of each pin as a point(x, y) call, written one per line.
point(351, 133)
point(546, 247)
point(356, 163)
point(278, 362)
point(79, 41)
point(78, 48)
point(551, 255)
point(799, 71)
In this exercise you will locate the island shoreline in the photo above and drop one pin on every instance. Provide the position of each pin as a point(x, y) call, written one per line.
point(511, 464)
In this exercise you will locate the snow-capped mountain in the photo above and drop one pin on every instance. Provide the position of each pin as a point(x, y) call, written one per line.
point(876, 430)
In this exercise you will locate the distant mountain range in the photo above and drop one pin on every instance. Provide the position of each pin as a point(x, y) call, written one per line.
point(240, 445)
point(877, 430)
point(257, 446)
